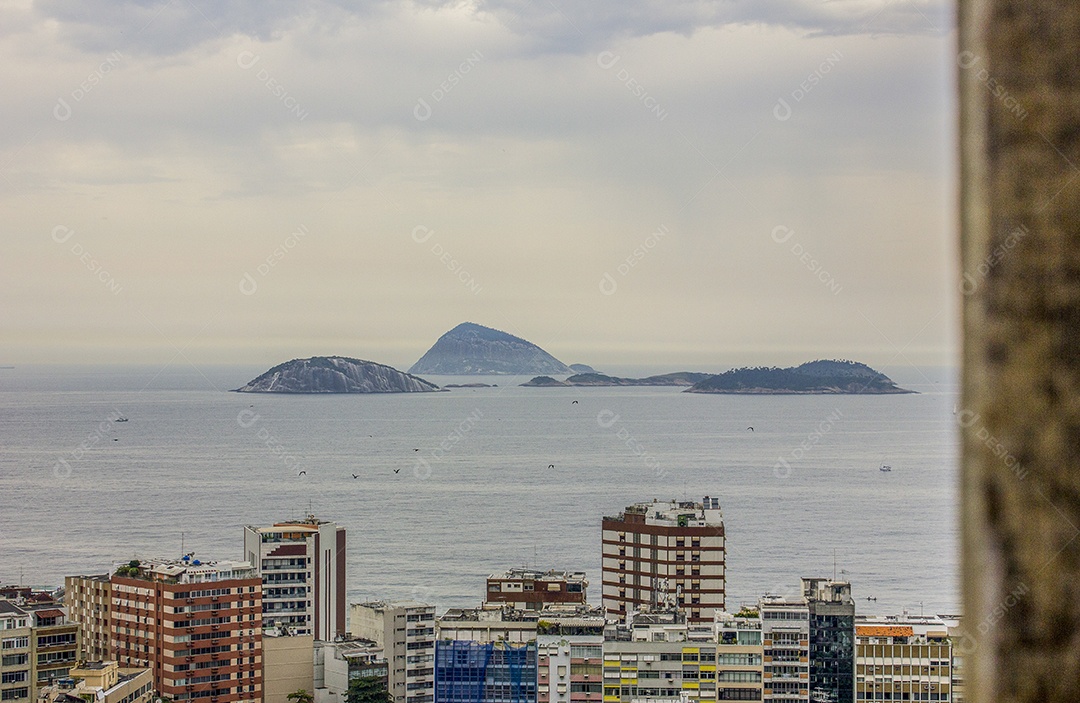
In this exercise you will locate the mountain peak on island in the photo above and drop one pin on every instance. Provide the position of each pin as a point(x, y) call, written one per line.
point(472, 349)
point(335, 374)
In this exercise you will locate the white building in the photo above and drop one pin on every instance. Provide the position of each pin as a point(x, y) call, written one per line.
point(785, 634)
point(302, 566)
point(406, 632)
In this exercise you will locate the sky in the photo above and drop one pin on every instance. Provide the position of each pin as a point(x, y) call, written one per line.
point(686, 184)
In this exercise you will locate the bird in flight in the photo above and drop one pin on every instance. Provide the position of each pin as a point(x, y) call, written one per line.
point(574, 403)
point(302, 473)
point(396, 471)
point(750, 428)
point(551, 466)
point(415, 450)
point(355, 476)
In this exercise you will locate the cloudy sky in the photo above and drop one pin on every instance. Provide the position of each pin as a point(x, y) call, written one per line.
point(620, 181)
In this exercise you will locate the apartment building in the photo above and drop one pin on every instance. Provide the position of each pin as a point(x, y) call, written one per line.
point(570, 655)
point(739, 656)
point(903, 659)
point(529, 589)
point(38, 646)
point(406, 632)
point(659, 656)
point(196, 624)
point(785, 639)
point(89, 601)
point(302, 567)
point(102, 682)
point(653, 552)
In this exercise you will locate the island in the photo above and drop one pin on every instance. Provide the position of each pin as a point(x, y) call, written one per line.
point(819, 377)
point(471, 349)
point(679, 378)
point(582, 368)
point(336, 374)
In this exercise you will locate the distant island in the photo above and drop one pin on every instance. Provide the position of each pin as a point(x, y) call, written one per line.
point(813, 377)
point(471, 349)
point(336, 374)
point(582, 368)
point(679, 378)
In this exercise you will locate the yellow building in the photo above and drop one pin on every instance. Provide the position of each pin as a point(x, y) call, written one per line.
point(88, 600)
point(101, 682)
point(902, 662)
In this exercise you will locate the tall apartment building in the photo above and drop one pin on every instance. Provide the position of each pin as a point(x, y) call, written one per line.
point(785, 639)
point(658, 656)
point(739, 657)
point(658, 552)
point(903, 659)
point(528, 589)
point(467, 671)
point(406, 632)
point(302, 567)
point(38, 646)
point(832, 639)
point(88, 600)
point(197, 625)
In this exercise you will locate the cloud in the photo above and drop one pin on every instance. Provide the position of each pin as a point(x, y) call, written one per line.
point(169, 27)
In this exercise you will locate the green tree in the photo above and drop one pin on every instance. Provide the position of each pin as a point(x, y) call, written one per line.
point(300, 696)
point(368, 689)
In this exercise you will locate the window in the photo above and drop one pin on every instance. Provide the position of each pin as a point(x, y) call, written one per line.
point(14, 676)
point(16, 643)
point(15, 659)
point(14, 694)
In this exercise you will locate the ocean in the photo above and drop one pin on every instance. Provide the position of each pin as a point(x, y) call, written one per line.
point(451, 487)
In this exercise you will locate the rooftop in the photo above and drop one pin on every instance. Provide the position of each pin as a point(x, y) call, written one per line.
point(537, 575)
point(673, 513)
point(186, 569)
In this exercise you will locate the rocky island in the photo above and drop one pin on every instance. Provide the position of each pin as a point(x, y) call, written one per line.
point(335, 374)
point(813, 377)
point(679, 378)
point(470, 349)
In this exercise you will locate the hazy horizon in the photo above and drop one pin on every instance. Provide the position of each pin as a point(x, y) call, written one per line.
point(678, 185)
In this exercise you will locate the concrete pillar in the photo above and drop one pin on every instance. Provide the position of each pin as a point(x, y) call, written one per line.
point(1019, 72)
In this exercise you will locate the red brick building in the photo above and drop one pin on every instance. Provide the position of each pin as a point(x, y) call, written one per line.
point(527, 589)
point(197, 625)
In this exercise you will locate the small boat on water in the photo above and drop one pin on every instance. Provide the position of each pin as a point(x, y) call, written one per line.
point(885, 467)
point(120, 419)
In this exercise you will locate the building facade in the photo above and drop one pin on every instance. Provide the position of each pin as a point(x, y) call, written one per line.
point(302, 567)
point(739, 657)
point(659, 657)
point(467, 671)
point(903, 660)
point(89, 602)
point(832, 639)
point(406, 632)
point(528, 589)
point(38, 646)
point(197, 625)
point(338, 664)
point(659, 553)
point(101, 682)
point(785, 639)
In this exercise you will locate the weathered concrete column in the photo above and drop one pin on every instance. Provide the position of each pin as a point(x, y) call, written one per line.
point(1019, 70)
